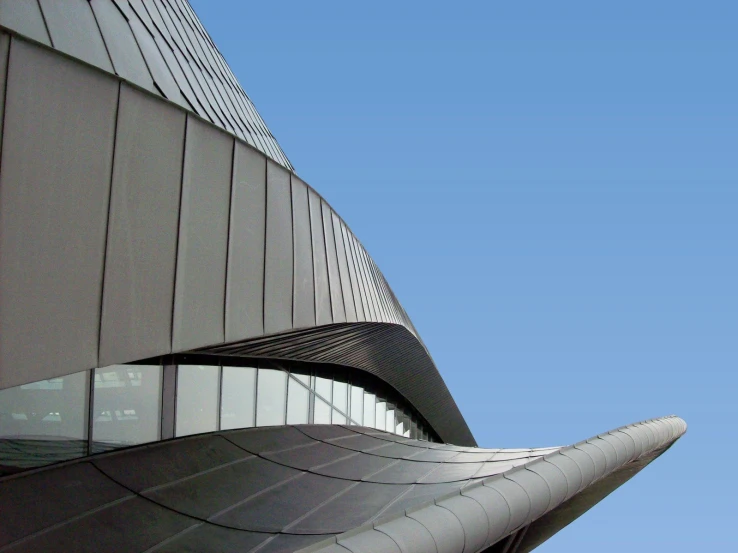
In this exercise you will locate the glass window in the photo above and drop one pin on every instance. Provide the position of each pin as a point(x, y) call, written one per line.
point(44, 422)
point(323, 387)
point(238, 397)
point(400, 428)
point(322, 414)
point(381, 415)
point(271, 397)
point(298, 403)
point(389, 426)
point(407, 433)
point(357, 405)
point(340, 397)
point(338, 418)
point(370, 407)
point(126, 406)
point(304, 378)
point(197, 399)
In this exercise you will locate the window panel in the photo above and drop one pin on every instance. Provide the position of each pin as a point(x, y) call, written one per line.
point(340, 396)
point(44, 422)
point(357, 405)
point(298, 403)
point(304, 378)
point(271, 397)
point(323, 388)
point(389, 426)
point(381, 417)
point(197, 399)
point(338, 418)
point(370, 409)
point(238, 397)
point(322, 412)
point(127, 406)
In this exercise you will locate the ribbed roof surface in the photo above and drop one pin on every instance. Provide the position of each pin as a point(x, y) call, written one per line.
point(284, 488)
point(159, 45)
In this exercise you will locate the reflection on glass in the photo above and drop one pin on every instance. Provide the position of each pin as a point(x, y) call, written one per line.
point(323, 387)
point(298, 403)
point(370, 402)
point(126, 405)
point(197, 399)
point(340, 396)
point(381, 420)
point(44, 422)
point(304, 378)
point(271, 397)
point(322, 412)
point(237, 397)
point(357, 405)
point(400, 428)
point(338, 418)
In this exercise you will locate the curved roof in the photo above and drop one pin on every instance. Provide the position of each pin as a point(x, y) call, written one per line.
point(158, 45)
point(166, 234)
point(329, 488)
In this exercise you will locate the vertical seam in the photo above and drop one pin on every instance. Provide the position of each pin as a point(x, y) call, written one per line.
point(102, 37)
point(107, 227)
point(179, 229)
point(46, 24)
point(263, 276)
point(228, 242)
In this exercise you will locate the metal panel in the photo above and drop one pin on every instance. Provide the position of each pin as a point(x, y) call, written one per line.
point(24, 17)
point(245, 289)
point(279, 254)
point(536, 488)
point(199, 295)
point(348, 295)
point(554, 478)
point(584, 462)
point(74, 31)
point(127, 59)
point(409, 535)
point(598, 458)
point(498, 512)
point(443, 525)
point(142, 231)
point(4, 51)
point(370, 541)
point(517, 499)
point(322, 291)
point(571, 471)
point(611, 456)
point(304, 289)
point(334, 277)
point(54, 192)
point(369, 308)
point(472, 517)
point(353, 277)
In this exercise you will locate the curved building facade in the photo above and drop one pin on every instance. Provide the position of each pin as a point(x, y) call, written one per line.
point(193, 340)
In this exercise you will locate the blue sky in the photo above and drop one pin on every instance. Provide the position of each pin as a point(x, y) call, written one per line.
point(551, 189)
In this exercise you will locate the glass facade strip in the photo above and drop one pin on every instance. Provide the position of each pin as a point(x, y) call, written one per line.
point(47, 421)
point(271, 397)
point(126, 406)
point(197, 399)
point(238, 398)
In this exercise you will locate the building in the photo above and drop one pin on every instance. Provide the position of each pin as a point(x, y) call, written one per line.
point(196, 353)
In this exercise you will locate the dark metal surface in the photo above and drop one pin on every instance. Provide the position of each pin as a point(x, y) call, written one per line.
point(284, 488)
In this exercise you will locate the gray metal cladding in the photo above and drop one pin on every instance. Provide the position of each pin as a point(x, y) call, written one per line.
point(323, 314)
point(142, 229)
point(334, 276)
point(278, 270)
point(304, 289)
point(343, 271)
point(199, 296)
point(245, 286)
point(54, 186)
point(409, 535)
point(4, 51)
point(24, 17)
point(353, 277)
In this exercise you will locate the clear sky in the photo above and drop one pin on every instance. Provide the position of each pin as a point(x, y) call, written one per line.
point(551, 190)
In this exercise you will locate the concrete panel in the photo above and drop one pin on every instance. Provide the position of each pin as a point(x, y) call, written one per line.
point(334, 277)
point(343, 271)
point(199, 295)
point(127, 59)
point(443, 525)
point(24, 17)
point(142, 231)
point(323, 313)
point(245, 289)
point(304, 290)
point(74, 31)
point(54, 191)
point(279, 254)
point(472, 517)
point(353, 277)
